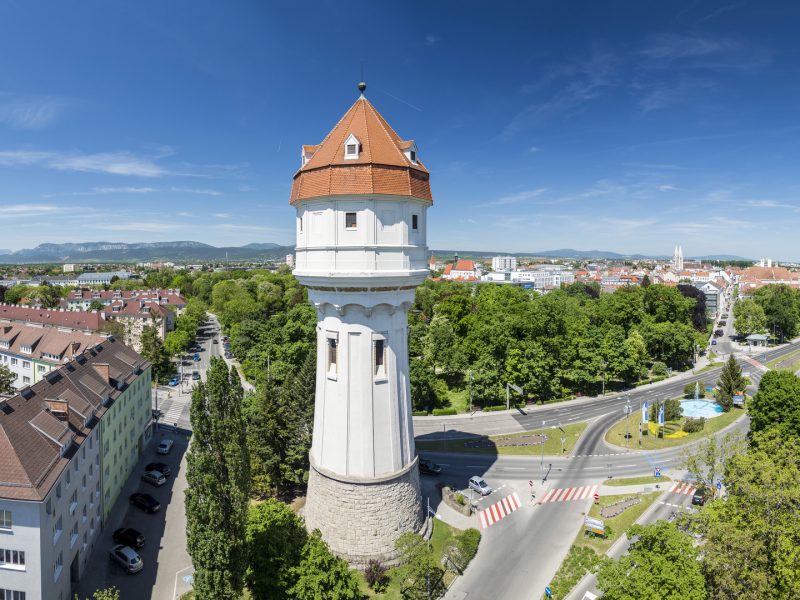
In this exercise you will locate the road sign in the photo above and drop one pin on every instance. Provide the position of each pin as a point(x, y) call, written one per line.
point(516, 388)
point(548, 592)
point(658, 472)
point(597, 496)
point(530, 483)
point(595, 525)
point(719, 485)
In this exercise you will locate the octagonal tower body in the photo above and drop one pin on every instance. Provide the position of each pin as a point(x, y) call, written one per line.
point(361, 198)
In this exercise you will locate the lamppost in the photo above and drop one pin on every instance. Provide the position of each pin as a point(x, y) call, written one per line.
point(605, 364)
point(627, 421)
point(470, 390)
point(541, 464)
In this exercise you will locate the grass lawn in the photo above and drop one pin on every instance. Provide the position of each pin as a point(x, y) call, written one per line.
point(616, 435)
point(709, 367)
point(587, 551)
point(551, 447)
point(459, 399)
point(440, 539)
point(618, 524)
point(789, 362)
point(636, 480)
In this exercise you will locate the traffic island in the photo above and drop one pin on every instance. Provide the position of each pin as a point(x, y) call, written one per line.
point(556, 442)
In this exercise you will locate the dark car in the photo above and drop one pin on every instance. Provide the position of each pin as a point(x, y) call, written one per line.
point(128, 537)
point(144, 501)
point(719, 333)
point(722, 323)
point(428, 467)
point(228, 355)
point(699, 497)
point(161, 467)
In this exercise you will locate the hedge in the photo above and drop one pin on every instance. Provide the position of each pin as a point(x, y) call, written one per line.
point(441, 412)
point(493, 408)
point(420, 413)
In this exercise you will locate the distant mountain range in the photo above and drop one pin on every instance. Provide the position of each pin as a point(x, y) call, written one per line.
point(118, 252)
point(582, 254)
point(157, 251)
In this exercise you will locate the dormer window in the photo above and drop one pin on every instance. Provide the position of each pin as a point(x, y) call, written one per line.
point(410, 151)
point(352, 147)
point(412, 156)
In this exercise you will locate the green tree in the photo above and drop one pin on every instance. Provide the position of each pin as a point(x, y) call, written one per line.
point(776, 405)
point(419, 574)
point(706, 462)
point(634, 365)
point(730, 382)
point(7, 379)
point(96, 305)
point(177, 341)
point(751, 539)
point(321, 575)
point(48, 295)
point(16, 293)
point(662, 564)
point(154, 351)
point(218, 478)
point(781, 306)
point(110, 593)
point(275, 539)
point(749, 317)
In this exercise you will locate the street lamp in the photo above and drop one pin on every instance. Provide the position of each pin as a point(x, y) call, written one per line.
point(541, 464)
point(627, 420)
point(605, 364)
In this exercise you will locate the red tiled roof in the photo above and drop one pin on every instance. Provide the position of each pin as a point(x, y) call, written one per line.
point(85, 321)
point(380, 168)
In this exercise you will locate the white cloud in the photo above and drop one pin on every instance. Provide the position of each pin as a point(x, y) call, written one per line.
point(29, 112)
point(667, 188)
point(221, 215)
point(204, 192)
point(515, 198)
point(30, 210)
point(148, 226)
point(113, 163)
point(629, 223)
point(431, 39)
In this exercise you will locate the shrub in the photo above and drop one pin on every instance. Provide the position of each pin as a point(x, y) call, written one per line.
point(460, 499)
point(464, 548)
point(691, 425)
point(493, 408)
point(659, 369)
point(441, 412)
point(420, 413)
point(376, 576)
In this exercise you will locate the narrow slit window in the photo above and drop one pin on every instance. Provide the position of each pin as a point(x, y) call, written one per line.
point(413, 156)
point(414, 221)
point(379, 352)
point(350, 220)
point(332, 350)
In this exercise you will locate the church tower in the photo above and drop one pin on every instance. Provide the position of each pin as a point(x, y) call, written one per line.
point(361, 197)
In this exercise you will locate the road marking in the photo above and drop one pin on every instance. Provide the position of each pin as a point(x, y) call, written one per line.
point(569, 494)
point(682, 488)
point(499, 510)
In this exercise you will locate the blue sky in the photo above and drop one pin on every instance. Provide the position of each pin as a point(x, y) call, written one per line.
point(623, 126)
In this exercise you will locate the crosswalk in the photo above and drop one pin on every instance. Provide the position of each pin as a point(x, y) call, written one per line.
point(174, 413)
point(499, 510)
point(567, 494)
point(682, 488)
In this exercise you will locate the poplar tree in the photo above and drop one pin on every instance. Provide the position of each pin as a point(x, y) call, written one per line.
point(218, 477)
point(730, 382)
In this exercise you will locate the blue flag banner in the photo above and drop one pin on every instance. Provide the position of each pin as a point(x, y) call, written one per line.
point(661, 415)
point(644, 412)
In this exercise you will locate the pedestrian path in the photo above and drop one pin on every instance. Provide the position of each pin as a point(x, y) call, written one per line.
point(756, 364)
point(682, 488)
point(499, 510)
point(174, 412)
point(567, 494)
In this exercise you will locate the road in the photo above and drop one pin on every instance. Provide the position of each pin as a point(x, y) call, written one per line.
point(521, 552)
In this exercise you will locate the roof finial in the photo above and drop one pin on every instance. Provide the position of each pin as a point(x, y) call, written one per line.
point(361, 87)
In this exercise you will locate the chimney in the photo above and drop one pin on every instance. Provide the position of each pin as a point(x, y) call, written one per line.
point(103, 370)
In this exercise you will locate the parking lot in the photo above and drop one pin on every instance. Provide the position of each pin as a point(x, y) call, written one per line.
point(167, 567)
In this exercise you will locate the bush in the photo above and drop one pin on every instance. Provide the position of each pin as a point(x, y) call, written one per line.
point(376, 576)
point(691, 425)
point(672, 410)
point(492, 408)
point(460, 499)
point(659, 369)
point(579, 561)
point(420, 413)
point(441, 412)
point(464, 548)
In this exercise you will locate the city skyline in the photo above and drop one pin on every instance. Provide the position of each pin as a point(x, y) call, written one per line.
point(614, 129)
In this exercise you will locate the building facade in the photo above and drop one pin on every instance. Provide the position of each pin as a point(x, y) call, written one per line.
point(504, 263)
point(55, 446)
point(361, 198)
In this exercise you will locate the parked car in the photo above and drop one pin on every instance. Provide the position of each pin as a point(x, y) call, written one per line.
point(161, 467)
point(128, 537)
point(479, 485)
point(196, 357)
point(155, 478)
point(722, 323)
point(699, 497)
point(165, 446)
point(144, 501)
point(228, 355)
point(718, 333)
point(127, 558)
point(174, 381)
point(428, 467)
point(713, 342)
point(215, 341)
point(195, 375)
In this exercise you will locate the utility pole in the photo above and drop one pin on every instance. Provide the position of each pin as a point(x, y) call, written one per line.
point(470, 390)
point(605, 365)
point(627, 421)
point(541, 464)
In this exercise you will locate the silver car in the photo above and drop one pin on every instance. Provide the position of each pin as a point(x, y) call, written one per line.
point(127, 558)
point(155, 478)
point(479, 485)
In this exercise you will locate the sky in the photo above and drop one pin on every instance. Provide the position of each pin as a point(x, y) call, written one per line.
point(622, 126)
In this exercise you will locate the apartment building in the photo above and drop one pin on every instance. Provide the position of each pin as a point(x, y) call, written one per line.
point(82, 299)
point(66, 321)
point(67, 443)
point(32, 352)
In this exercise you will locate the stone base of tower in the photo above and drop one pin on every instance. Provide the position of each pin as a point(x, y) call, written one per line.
point(361, 519)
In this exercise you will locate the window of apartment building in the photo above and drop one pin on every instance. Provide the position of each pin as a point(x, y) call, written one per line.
point(26, 379)
point(58, 566)
point(57, 528)
point(49, 506)
point(26, 364)
point(73, 535)
point(5, 519)
point(14, 361)
point(83, 479)
point(58, 487)
point(69, 479)
point(41, 368)
point(11, 594)
point(84, 515)
point(73, 502)
point(12, 559)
